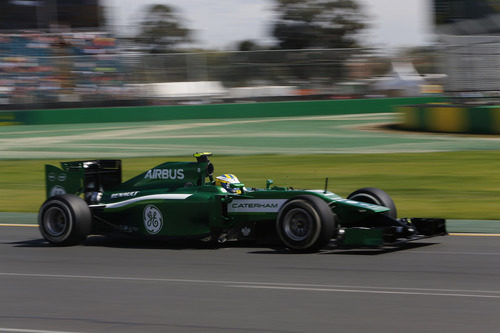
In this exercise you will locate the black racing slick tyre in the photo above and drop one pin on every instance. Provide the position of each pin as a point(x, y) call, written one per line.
point(65, 220)
point(375, 196)
point(305, 223)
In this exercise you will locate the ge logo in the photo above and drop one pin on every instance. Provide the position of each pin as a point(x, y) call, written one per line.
point(57, 190)
point(153, 220)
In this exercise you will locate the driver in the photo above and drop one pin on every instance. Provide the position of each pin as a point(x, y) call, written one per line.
point(225, 180)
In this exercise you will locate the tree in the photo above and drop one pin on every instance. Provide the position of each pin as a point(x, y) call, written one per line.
point(304, 24)
point(248, 45)
point(162, 29)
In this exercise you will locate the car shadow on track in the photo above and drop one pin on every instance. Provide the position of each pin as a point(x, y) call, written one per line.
point(351, 251)
point(194, 244)
point(127, 242)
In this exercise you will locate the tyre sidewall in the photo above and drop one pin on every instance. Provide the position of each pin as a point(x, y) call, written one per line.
point(76, 215)
point(321, 218)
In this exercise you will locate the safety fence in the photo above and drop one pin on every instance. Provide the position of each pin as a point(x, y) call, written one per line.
point(45, 71)
point(472, 65)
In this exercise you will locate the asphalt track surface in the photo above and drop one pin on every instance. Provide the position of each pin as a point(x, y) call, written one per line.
point(122, 285)
point(357, 133)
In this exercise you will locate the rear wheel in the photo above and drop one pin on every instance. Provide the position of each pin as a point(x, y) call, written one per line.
point(305, 223)
point(375, 196)
point(65, 220)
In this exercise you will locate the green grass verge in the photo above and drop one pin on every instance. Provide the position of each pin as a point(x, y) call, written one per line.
point(457, 185)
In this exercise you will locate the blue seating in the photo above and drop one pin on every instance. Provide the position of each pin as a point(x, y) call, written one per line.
point(39, 66)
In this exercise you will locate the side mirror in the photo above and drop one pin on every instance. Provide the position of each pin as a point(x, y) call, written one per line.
point(239, 186)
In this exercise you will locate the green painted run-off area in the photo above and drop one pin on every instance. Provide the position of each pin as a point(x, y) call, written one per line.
point(209, 111)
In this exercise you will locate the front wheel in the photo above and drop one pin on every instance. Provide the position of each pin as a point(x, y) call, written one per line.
point(375, 196)
point(305, 223)
point(65, 220)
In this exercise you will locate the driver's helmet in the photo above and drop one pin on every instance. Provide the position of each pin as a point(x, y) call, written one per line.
point(225, 180)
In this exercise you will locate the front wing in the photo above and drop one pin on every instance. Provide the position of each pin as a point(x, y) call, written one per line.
point(400, 231)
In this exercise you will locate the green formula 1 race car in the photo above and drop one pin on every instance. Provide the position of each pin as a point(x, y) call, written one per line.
point(184, 200)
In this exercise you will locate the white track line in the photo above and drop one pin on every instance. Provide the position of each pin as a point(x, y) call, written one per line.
point(4, 329)
point(473, 234)
point(280, 286)
point(18, 225)
point(363, 291)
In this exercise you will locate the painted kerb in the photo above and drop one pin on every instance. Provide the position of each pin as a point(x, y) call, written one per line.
point(451, 118)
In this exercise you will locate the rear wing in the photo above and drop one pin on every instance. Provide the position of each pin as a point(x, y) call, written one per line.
point(97, 176)
point(79, 177)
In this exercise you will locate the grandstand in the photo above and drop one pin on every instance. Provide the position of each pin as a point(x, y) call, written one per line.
point(55, 51)
point(47, 67)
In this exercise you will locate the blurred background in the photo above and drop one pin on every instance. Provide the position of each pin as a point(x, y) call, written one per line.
point(59, 53)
